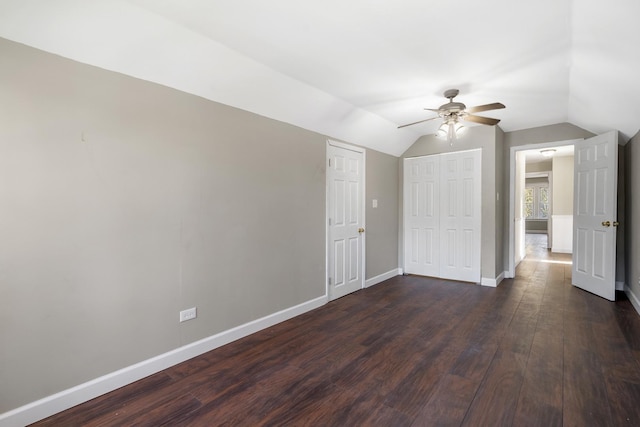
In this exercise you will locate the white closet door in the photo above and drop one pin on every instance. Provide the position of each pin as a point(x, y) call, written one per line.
point(421, 200)
point(460, 219)
point(442, 207)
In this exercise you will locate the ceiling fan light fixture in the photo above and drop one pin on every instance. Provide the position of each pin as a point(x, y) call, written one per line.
point(452, 112)
point(548, 152)
point(451, 130)
point(442, 130)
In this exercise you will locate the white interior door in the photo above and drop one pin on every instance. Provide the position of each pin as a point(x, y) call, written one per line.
point(442, 215)
point(422, 215)
point(345, 185)
point(595, 199)
point(460, 217)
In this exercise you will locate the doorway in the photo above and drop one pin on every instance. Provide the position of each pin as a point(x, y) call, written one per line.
point(593, 241)
point(541, 195)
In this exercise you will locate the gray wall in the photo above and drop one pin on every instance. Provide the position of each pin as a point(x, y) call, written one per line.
point(489, 139)
point(543, 166)
point(631, 153)
point(125, 202)
point(382, 222)
point(562, 193)
point(621, 230)
point(536, 225)
point(551, 133)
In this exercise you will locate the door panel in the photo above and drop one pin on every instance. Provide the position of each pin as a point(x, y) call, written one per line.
point(460, 220)
point(421, 236)
point(595, 200)
point(345, 181)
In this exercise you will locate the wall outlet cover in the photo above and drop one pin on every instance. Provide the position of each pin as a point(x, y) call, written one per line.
point(188, 314)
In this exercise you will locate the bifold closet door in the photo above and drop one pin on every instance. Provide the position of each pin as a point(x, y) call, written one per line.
point(460, 216)
point(421, 216)
point(442, 215)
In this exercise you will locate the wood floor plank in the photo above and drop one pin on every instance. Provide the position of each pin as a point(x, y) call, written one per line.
point(624, 397)
point(473, 362)
point(495, 402)
point(585, 398)
point(540, 398)
point(413, 392)
point(110, 403)
point(449, 403)
point(410, 351)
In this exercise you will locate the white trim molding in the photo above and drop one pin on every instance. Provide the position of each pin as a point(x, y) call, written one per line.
point(633, 298)
point(66, 399)
point(382, 277)
point(562, 232)
point(493, 283)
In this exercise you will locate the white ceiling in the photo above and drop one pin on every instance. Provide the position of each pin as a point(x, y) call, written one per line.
point(535, 156)
point(356, 69)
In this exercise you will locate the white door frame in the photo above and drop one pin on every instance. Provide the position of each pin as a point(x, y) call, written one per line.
point(328, 216)
point(511, 272)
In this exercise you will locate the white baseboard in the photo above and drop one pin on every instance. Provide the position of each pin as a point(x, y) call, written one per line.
point(493, 283)
point(633, 298)
point(562, 250)
point(620, 286)
point(382, 277)
point(66, 399)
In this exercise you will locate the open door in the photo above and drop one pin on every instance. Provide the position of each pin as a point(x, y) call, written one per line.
point(595, 219)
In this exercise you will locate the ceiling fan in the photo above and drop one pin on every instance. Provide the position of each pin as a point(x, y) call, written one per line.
point(453, 112)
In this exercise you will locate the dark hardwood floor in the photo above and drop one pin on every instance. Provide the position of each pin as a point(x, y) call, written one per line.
point(411, 351)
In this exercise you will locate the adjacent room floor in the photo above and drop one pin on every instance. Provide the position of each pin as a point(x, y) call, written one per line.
point(411, 351)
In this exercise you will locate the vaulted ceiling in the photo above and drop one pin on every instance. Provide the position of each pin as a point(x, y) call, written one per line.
point(356, 69)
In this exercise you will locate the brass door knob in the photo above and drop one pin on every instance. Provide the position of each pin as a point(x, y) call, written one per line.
point(616, 223)
point(606, 223)
point(360, 230)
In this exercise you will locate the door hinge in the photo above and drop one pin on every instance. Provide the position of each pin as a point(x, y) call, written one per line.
point(329, 162)
point(329, 280)
point(329, 221)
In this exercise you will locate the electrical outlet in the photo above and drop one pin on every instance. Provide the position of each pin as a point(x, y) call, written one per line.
point(188, 314)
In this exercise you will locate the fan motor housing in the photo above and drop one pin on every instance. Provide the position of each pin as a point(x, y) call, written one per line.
point(452, 107)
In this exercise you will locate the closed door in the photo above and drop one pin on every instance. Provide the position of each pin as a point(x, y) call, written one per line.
point(460, 205)
point(595, 200)
point(442, 218)
point(345, 184)
point(422, 215)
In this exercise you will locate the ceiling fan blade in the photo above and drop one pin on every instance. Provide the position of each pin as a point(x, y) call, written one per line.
point(415, 123)
point(487, 107)
point(433, 109)
point(482, 120)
